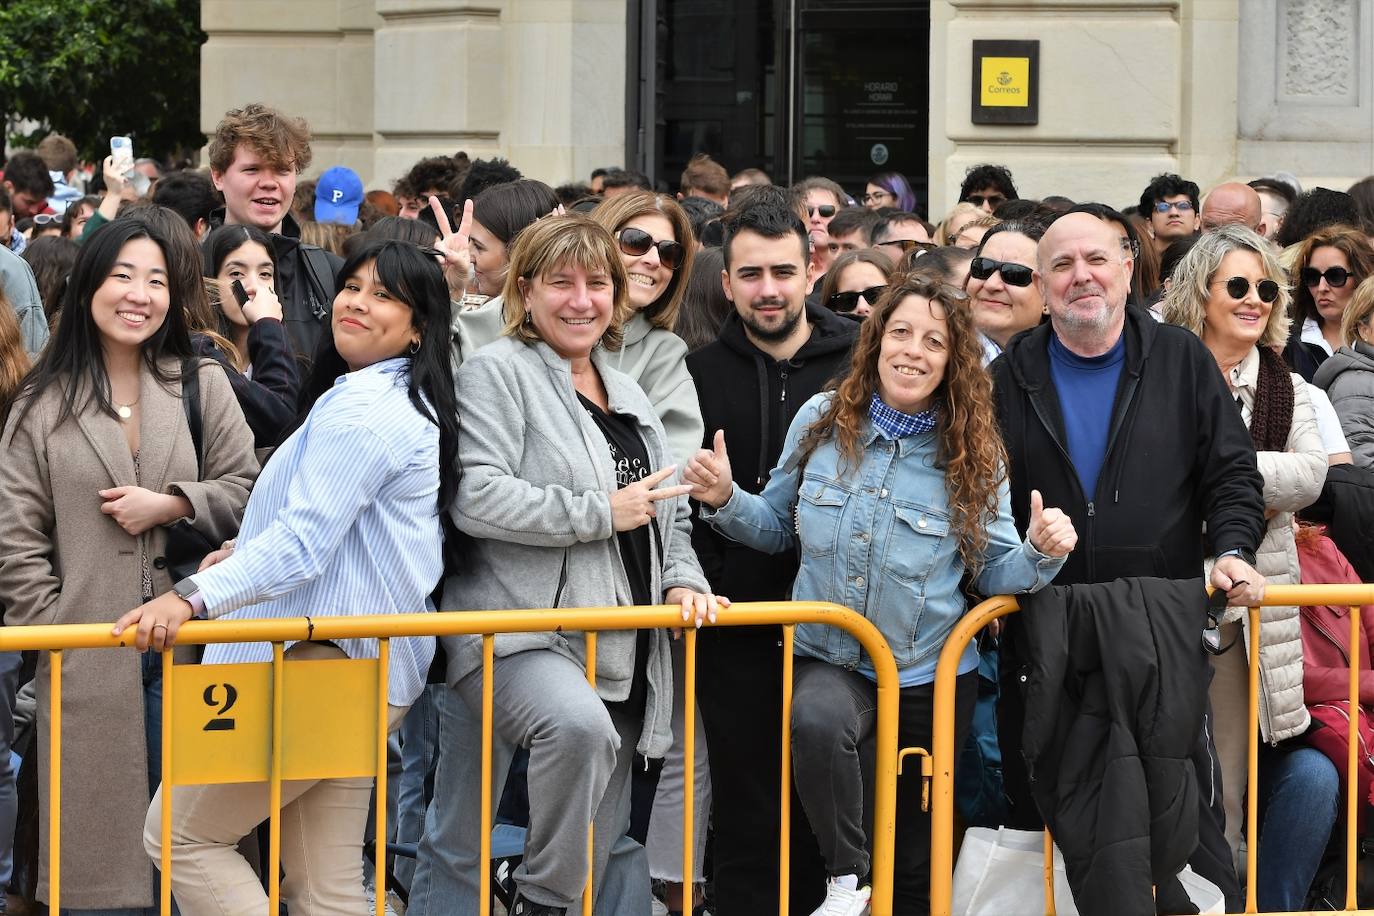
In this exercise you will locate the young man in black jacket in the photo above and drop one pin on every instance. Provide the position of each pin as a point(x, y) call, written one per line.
point(1126, 424)
point(773, 353)
point(256, 154)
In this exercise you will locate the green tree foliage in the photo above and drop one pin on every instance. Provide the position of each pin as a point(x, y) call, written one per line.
point(92, 69)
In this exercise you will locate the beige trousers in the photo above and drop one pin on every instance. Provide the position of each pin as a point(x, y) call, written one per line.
point(322, 825)
point(1230, 693)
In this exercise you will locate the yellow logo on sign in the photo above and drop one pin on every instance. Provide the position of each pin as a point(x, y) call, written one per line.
point(222, 717)
point(1005, 82)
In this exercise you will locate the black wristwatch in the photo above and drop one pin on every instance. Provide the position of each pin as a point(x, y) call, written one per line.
point(1244, 553)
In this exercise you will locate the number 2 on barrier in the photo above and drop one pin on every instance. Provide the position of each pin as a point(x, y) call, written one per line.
point(222, 719)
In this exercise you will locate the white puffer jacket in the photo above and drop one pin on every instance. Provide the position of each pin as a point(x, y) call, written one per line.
point(1293, 480)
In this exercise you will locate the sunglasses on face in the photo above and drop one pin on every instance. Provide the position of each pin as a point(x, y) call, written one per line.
point(1182, 206)
point(47, 219)
point(637, 242)
point(847, 302)
point(1335, 277)
point(1239, 287)
point(992, 200)
point(1012, 274)
point(826, 210)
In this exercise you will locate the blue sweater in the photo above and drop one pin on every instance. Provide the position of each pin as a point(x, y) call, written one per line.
point(1087, 391)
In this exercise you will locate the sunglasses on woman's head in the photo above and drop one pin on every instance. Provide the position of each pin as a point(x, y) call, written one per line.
point(637, 242)
point(847, 302)
point(1012, 274)
point(1335, 277)
point(1238, 287)
point(826, 210)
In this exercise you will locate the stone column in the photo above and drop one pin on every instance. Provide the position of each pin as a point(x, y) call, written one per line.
point(1307, 100)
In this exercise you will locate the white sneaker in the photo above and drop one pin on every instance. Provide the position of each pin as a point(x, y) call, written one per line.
point(841, 901)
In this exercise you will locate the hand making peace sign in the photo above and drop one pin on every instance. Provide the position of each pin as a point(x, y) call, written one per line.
point(453, 247)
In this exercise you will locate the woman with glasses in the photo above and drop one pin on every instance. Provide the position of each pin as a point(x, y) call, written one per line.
point(1004, 299)
point(961, 215)
point(1230, 291)
point(1348, 376)
point(890, 190)
point(1327, 266)
point(654, 237)
point(890, 486)
point(854, 283)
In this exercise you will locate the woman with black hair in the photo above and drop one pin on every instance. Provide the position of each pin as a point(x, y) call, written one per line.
point(98, 460)
point(261, 364)
point(350, 515)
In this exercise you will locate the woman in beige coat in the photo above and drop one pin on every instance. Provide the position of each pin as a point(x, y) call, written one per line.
point(97, 460)
point(1230, 291)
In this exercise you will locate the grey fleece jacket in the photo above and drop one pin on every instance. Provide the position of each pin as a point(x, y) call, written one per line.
point(653, 357)
point(535, 494)
point(1348, 377)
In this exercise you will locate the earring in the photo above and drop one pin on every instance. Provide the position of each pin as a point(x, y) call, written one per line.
point(528, 319)
point(414, 347)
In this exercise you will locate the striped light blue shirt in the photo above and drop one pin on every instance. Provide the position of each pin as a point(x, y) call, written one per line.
point(344, 520)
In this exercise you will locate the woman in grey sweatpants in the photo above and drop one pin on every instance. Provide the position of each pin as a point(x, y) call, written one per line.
point(563, 461)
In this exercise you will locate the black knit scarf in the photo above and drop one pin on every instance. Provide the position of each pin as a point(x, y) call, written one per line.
point(1272, 417)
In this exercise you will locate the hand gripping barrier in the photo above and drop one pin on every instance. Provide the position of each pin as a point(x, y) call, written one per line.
point(942, 812)
point(244, 723)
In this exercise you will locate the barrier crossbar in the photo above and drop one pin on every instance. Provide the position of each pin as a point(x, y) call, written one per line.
point(942, 805)
point(55, 639)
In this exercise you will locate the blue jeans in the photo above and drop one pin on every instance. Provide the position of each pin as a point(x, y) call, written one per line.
point(419, 737)
point(1299, 797)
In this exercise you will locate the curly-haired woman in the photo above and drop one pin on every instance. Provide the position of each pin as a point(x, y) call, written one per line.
point(899, 486)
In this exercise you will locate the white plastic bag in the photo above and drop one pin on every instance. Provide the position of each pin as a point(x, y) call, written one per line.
point(1001, 873)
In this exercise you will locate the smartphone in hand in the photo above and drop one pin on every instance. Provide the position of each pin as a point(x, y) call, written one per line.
point(240, 294)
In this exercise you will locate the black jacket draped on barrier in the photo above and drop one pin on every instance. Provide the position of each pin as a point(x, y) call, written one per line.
point(1115, 693)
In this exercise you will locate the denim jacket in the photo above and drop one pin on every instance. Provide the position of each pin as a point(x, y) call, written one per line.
point(876, 539)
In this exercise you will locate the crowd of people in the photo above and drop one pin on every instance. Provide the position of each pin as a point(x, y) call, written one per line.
point(233, 393)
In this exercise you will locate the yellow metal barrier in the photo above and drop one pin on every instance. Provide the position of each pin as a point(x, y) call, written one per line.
point(272, 711)
point(942, 812)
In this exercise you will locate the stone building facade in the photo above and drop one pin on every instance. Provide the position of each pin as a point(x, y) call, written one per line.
point(1128, 88)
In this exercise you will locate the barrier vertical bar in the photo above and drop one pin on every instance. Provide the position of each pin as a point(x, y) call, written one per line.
point(379, 868)
point(1352, 767)
point(274, 786)
point(785, 772)
point(1049, 874)
point(484, 876)
point(589, 895)
point(165, 882)
point(55, 780)
point(1252, 740)
point(689, 749)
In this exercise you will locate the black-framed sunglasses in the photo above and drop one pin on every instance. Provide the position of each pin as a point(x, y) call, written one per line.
point(1211, 634)
point(1012, 274)
point(1335, 277)
point(826, 210)
point(637, 242)
point(1239, 287)
point(847, 302)
point(992, 200)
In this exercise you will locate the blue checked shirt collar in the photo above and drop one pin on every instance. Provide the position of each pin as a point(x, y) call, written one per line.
point(893, 424)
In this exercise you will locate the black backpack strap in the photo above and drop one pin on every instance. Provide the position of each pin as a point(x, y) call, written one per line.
point(320, 279)
point(190, 405)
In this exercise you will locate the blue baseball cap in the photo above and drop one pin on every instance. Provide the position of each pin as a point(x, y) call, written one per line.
point(338, 195)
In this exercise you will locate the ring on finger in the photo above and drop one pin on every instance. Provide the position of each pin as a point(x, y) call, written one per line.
point(156, 625)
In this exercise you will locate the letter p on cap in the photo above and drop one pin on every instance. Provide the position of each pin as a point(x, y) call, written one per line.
point(336, 195)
